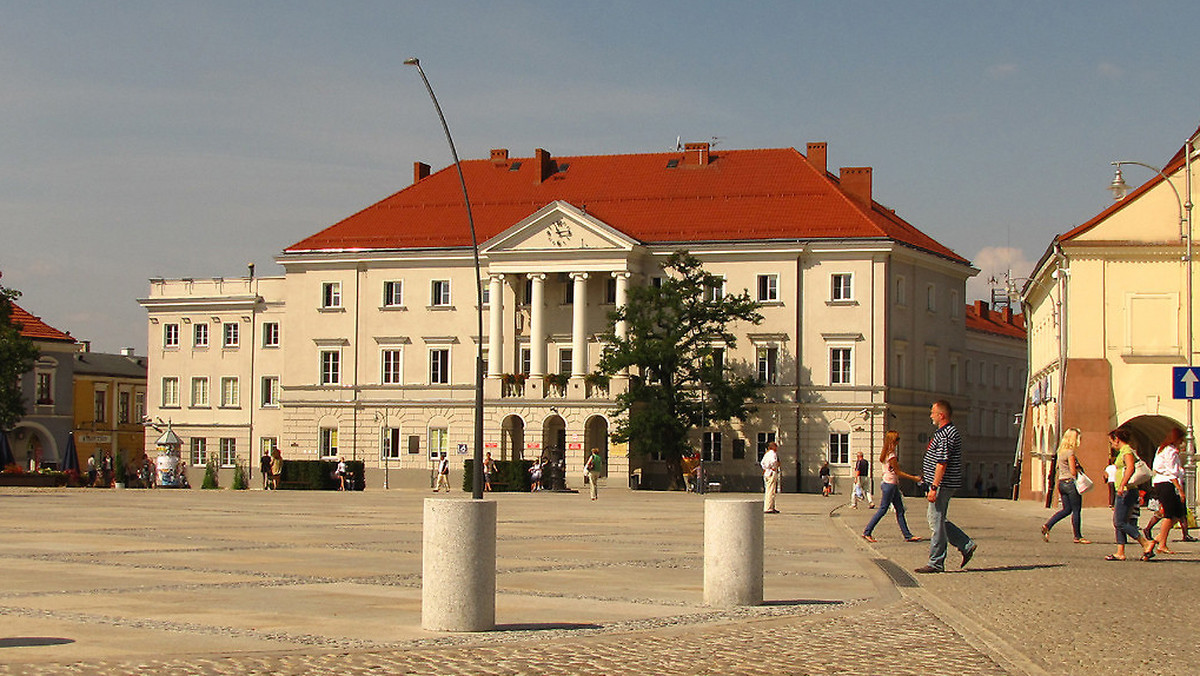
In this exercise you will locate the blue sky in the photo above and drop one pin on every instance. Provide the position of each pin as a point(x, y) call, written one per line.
point(146, 139)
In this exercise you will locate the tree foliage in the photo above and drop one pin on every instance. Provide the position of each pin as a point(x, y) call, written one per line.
point(672, 334)
point(17, 354)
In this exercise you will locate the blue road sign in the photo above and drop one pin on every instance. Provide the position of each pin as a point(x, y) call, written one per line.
point(1184, 381)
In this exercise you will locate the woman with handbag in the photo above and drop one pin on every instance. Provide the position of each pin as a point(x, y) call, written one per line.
point(1168, 488)
point(1128, 475)
point(1069, 472)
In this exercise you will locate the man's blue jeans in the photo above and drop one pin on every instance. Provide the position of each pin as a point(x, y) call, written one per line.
point(943, 531)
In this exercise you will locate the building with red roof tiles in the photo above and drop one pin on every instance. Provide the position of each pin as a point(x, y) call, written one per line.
point(1108, 320)
point(994, 381)
point(374, 319)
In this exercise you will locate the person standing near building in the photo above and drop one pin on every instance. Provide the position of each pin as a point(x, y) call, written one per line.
point(942, 475)
point(276, 468)
point(264, 468)
point(826, 483)
point(770, 466)
point(489, 468)
point(443, 474)
point(594, 466)
point(862, 487)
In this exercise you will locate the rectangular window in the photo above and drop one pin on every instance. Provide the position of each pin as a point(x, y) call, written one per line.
point(768, 364)
point(200, 334)
point(99, 407)
point(229, 392)
point(610, 291)
point(198, 450)
point(170, 335)
point(526, 360)
point(199, 392)
point(931, 298)
point(764, 438)
point(739, 448)
point(391, 361)
point(931, 372)
point(390, 443)
point(228, 451)
point(710, 447)
point(527, 292)
point(768, 288)
point(393, 294)
point(839, 448)
point(123, 407)
point(839, 365)
point(714, 361)
point(329, 442)
point(565, 360)
point(439, 366)
point(170, 392)
point(901, 294)
point(901, 370)
point(714, 289)
point(270, 334)
point(139, 406)
point(439, 442)
point(954, 386)
point(331, 367)
point(485, 294)
point(656, 282)
point(331, 294)
point(270, 392)
point(45, 388)
point(840, 287)
point(439, 295)
point(229, 332)
point(267, 445)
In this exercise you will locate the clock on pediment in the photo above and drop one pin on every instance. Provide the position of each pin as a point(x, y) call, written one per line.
point(559, 232)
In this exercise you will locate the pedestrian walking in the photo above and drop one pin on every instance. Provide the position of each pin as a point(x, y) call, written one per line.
point(1067, 470)
point(770, 467)
point(862, 489)
point(489, 468)
point(826, 484)
point(1127, 498)
point(535, 475)
point(1110, 478)
point(942, 474)
point(594, 466)
point(91, 471)
point(443, 474)
point(340, 473)
point(889, 458)
point(276, 468)
point(1168, 489)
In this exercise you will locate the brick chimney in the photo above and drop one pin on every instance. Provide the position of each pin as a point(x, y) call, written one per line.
point(695, 154)
point(1007, 315)
point(856, 182)
point(544, 165)
point(818, 156)
point(420, 171)
point(981, 309)
point(499, 156)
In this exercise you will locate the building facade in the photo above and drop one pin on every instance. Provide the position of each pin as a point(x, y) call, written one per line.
point(365, 347)
point(1107, 313)
point(109, 405)
point(994, 381)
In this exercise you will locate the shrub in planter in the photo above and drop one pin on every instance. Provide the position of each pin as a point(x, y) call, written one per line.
point(239, 478)
point(318, 475)
point(210, 474)
point(513, 475)
point(119, 468)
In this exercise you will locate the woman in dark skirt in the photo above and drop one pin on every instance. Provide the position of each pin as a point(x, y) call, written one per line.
point(1168, 488)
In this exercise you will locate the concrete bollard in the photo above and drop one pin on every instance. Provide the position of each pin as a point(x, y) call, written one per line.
point(733, 552)
point(458, 565)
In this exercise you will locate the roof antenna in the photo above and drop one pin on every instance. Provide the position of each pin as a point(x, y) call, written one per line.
point(678, 143)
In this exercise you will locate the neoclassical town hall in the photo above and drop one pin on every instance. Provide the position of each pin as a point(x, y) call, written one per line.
point(365, 347)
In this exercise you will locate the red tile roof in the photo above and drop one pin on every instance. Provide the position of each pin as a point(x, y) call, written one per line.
point(769, 194)
point(980, 317)
point(35, 328)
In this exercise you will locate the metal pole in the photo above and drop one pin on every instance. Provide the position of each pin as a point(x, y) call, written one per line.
point(1190, 474)
point(477, 483)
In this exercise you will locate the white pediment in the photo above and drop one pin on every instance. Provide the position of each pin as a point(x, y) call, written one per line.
point(557, 228)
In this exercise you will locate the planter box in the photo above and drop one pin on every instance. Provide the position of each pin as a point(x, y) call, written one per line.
point(32, 480)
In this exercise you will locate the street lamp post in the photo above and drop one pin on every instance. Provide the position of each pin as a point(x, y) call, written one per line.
point(477, 482)
point(1120, 189)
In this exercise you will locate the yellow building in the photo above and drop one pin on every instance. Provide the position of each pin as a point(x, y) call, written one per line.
point(1108, 320)
point(110, 401)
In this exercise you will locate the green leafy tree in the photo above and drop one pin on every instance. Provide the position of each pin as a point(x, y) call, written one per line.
point(17, 354)
point(676, 383)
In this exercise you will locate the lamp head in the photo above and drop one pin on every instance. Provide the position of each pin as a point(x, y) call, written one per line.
point(412, 61)
point(1118, 187)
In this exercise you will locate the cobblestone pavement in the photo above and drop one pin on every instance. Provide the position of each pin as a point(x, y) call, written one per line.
point(207, 582)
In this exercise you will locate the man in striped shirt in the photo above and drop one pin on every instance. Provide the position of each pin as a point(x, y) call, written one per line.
point(942, 474)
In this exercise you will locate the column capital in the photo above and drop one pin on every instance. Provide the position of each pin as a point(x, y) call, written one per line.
point(539, 276)
point(621, 274)
point(496, 276)
point(578, 275)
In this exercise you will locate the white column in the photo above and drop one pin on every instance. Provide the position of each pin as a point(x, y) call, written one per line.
point(458, 565)
point(733, 552)
point(622, 328)
point(496, 328)
point(537, 326)
point(579, 351)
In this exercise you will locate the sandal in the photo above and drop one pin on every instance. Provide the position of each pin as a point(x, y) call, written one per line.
point(868, 538)
point(1114, 557)
point(1045, 534)
point(914, 538)
point(1081, 541)
point(1148, 555)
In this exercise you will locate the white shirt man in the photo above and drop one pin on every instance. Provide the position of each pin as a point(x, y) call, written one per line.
point(770, 466)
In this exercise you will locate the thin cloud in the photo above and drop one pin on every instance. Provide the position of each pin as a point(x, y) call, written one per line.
point(1002, 70)
point(1110, 70)
point(998, 262)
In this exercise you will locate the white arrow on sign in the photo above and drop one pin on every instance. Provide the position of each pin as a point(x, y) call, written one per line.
point(1189, 381)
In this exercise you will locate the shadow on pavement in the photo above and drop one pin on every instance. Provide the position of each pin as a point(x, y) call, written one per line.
point(546, 626)
point(28, 641)
point(1001, 569)
point(802, 602)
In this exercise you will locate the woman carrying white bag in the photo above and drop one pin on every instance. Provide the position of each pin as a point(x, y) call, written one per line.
point(1071, 482)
